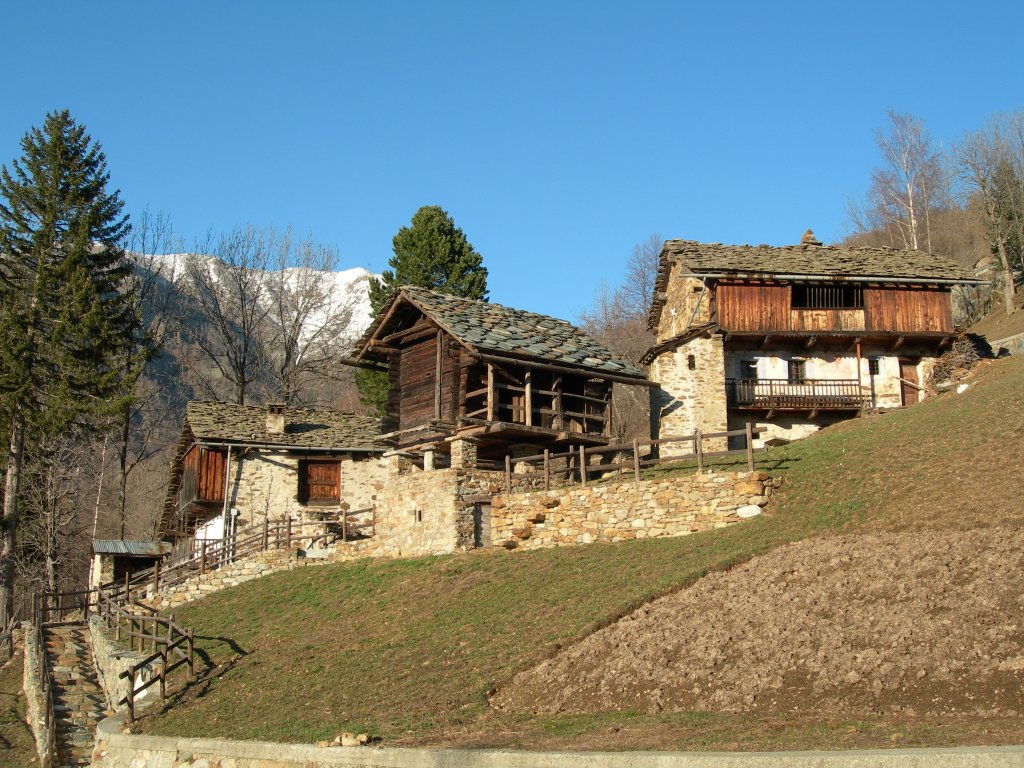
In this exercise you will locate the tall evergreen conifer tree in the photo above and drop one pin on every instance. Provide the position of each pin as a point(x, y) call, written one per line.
point(430, 253)
point(67, 326)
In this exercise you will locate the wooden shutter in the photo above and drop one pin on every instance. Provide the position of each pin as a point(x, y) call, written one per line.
point(320, 481)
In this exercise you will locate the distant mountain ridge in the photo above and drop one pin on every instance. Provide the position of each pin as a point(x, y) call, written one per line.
point(348, 288)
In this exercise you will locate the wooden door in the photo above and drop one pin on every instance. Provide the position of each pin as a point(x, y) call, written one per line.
point(909, 382)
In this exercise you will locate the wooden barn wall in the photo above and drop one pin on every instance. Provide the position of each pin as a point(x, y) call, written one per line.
point(827, 319)
point(211, 474)
point(908, 309)
point(753, 307)
point(416, 382)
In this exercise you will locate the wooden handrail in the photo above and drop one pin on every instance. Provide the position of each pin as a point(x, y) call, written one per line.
point(578, 467)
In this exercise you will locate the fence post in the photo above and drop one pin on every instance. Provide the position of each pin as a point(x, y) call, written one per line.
point(288, 533)
point(266, 532)
point(202, 558)
point(191, 654)
point(547, 469)
point(163, 673)
point(698, 448)
point(344, 526)
point(750, 447)
point(583, 466)
point(636, 460)
point(508, 473)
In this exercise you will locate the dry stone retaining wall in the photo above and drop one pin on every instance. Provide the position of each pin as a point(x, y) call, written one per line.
point(628, 510)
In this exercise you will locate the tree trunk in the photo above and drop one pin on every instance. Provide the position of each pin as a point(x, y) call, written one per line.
point(122, 459)
point(12, 483)
point(1009, 295)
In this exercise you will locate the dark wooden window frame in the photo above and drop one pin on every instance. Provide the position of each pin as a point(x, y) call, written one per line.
point(842, 296)
point(796, 371)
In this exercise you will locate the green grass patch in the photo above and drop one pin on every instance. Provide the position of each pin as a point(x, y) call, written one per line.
point(408, 650)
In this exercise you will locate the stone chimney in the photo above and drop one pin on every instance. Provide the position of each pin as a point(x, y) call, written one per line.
point(809, 238)
point(275, 418)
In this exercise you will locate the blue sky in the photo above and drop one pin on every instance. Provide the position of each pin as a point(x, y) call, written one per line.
point(557, 134)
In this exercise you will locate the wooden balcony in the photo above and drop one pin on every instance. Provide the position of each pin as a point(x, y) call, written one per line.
point(784, 395)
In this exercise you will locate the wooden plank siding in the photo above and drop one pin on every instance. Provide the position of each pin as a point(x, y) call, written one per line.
point(827, 320)
point(207, 467)
point(744, 307)
point(908, 309)
point(418, 393)
point(760, 307)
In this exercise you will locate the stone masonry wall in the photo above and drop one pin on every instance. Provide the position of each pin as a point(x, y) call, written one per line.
point(113, 658)
point(688, 398)
point(35, 703)
point(245, 569)
point(428, 512)
point(266, 484)
point(628, 510)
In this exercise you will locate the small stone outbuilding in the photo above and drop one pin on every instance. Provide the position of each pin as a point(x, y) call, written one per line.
point(237, 465)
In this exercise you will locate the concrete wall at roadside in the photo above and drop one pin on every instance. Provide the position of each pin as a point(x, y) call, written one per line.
point(119, 750)
point(628, 510)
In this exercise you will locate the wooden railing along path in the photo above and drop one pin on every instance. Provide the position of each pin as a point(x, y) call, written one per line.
point(583, 465)
point(202, 555)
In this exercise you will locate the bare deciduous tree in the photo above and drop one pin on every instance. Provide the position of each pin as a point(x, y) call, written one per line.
point(618, 318)
point(991, 163)
point(909, 187)
point(308, 320)
point(228, 287)
point(51, 548)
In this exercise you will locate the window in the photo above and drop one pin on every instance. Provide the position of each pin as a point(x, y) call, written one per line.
point(797, 371)
point(320, 481)
point(748, 370)
point(828, 297)
point(691, 362)
point(873, 366)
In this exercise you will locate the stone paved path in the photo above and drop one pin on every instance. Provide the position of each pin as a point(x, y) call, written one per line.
point(77, 699)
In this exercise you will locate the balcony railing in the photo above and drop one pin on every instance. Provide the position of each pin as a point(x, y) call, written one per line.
point(785, 395)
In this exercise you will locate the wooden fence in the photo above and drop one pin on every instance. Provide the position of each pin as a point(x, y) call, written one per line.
point(171, 646)
point(202, 555)
point(583, 465)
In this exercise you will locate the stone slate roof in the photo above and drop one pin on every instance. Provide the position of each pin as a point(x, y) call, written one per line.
point(803, 260)
point(495, 329)
point(304, 427)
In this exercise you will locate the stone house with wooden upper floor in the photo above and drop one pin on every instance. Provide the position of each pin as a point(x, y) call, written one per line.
point(238, 464)
point(796, 337)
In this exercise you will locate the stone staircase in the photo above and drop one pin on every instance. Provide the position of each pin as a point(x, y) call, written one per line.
point(78, 703)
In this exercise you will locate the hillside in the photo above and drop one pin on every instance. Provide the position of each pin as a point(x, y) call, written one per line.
point(908, 528)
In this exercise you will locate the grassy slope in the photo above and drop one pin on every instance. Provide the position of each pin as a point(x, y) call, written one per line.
point(17, 747)
point(409, 649)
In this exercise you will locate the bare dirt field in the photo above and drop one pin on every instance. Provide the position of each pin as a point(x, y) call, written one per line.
point(912, 623)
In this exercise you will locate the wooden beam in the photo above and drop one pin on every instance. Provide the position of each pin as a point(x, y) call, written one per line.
point(490, 393)
point(437, 376)
point(558, 422)
point(528, 398)
point(564, 369)
point(410, 334)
